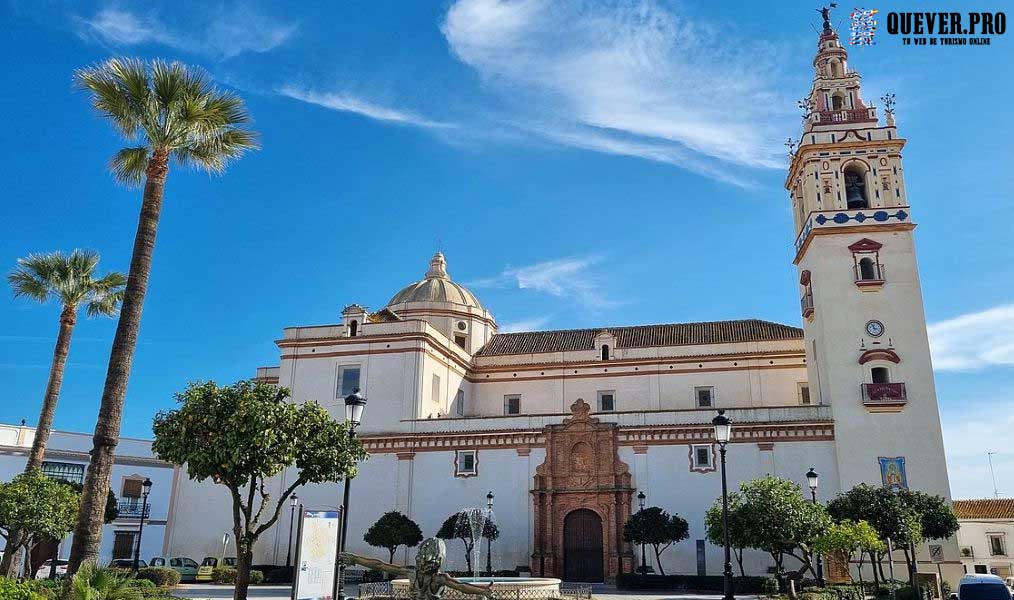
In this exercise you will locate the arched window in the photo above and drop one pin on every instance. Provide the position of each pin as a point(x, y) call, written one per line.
point(880, 375)
point(867, 269)
point(605, 351)
point(836, 70)
point(855, 187)
point(837, 102)
point(353, 328)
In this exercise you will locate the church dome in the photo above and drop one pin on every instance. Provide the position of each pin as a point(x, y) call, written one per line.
point(436, 287)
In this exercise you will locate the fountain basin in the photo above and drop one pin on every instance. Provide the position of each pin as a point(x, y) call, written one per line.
point(504, 588)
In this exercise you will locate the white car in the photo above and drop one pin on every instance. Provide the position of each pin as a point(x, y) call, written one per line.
point(43, 572)
point(981, 587)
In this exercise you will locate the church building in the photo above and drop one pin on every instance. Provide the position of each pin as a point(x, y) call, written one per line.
point(566, 427)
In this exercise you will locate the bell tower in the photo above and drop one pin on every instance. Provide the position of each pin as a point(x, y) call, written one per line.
point(864, 326)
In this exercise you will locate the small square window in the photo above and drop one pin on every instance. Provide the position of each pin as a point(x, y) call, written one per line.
point(705, 396)
point(466, 463)
point(460, 340)
point(607, 401)
point(702, 458)
point(804, 393)
point(348, 380)
point(997, 547)
point(512, 404)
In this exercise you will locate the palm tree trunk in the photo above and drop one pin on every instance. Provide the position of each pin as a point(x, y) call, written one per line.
point(88, 530)
point(68, 318)
point(44, 427)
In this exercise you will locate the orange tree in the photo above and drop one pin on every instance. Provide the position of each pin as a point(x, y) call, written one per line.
point(241, 435)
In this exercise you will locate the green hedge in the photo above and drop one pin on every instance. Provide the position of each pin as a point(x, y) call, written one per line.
point(12, 589)
point(227, 575)
point(709, 583)
point(159, 576)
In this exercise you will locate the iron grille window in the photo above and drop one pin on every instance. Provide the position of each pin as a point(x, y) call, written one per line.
point(607, 401)
point(72, 472)
point(512, 405)
point(123, 545)
point(705, 397)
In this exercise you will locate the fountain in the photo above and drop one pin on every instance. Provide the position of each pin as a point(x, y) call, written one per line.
point(479, 523)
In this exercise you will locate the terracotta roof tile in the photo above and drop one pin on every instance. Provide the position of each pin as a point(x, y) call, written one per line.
point(985, 508)
point(641, 336)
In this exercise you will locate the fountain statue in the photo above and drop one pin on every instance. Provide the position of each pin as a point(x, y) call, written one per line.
point(426, 582)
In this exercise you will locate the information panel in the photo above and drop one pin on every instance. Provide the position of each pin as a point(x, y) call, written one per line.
point(315, 555)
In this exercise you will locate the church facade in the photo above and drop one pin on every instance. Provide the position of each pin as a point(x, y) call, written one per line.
point(565, 428)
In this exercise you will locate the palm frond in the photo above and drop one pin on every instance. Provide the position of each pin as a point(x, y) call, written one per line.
point(168, 82)
point(106, 295)
point(28, 285)
point(214, 152)
point(130, 165)
point(110, 98)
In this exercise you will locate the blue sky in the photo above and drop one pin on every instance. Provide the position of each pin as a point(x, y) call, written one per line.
point(581, 164)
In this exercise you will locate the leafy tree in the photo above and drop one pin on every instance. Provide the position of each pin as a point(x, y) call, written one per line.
point(891, 514)
point(739, 523)
point(70, 280)
point(781, 522)
point(111, 513)
point(36, 506)
point(241, 435)
point(848, 539)
point(94, 583)
point(391, 530)
point(166, 111)
point(657, 528)
point(457, 527)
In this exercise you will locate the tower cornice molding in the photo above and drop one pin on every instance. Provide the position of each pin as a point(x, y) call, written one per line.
point(806, 152)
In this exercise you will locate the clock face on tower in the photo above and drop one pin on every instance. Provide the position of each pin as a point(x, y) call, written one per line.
point(875, 328)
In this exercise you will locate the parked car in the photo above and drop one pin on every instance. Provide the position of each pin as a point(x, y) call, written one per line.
point(229, 561)
point(158, 561)
point(43, 572)
point(126, 563)
point(186, 567)
point(981, 587)
point(207, 567)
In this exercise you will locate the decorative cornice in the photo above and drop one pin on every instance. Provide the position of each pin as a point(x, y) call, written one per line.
point(879, 354)
point(137, 461)
point(866, 245)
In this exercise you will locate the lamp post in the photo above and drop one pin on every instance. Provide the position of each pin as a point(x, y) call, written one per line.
point(489, 541)
point(354, 406)
point(723, 432)
point(146, 486)
point(812, 478)
point(640, 509)
point(293, 503)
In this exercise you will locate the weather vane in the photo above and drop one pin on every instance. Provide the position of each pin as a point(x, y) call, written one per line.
point(806, 105)
point(888, 100)
point(825, 12)
point(791, 145)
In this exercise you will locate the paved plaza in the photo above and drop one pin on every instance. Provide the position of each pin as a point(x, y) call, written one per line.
point(282, 592)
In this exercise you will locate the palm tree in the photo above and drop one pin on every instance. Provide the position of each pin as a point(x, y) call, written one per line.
point(70, 280)
point(171, 112)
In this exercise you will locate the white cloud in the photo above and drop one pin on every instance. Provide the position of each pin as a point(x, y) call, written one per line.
point(532, 324)
point(227, 33)
point(595, 75)
point(570, 278)
point(347, 103)
point(974, 341)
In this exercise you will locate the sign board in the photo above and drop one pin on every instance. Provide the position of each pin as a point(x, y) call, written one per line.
point(936, 553)
point(316, 546)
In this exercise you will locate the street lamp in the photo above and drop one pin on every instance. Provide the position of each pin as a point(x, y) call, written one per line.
point(489, 540)
point(723, 432)
point(354, 407)
point(146, 487)
point(293, 503)
point(812, 478)
point(640, 508)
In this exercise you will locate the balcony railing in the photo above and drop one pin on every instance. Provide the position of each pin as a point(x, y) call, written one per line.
point(129, 509)
point(845, 115)
point(806, 305)
point(884, 394)
point(870, 274)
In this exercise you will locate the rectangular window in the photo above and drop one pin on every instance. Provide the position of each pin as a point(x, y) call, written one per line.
point(460, 340)
point(459, 403)
point(72, 472)
point(705, 396)
point(466, 463)
point(435, 392)
point(512, 404)
point(131, 488)
point(348, 380)
point(702, 457)
point(607, 401)
point(123, 544)
point(804, 393)
point(997, 547)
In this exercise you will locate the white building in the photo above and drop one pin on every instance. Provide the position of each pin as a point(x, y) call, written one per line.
point(67, 458)
point(565, 427)
point(987, 530)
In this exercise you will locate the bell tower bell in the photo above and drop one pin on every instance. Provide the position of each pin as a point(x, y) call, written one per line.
point(864, 326)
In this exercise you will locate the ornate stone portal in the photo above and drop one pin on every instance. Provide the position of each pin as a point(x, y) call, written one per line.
point(581, 492)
